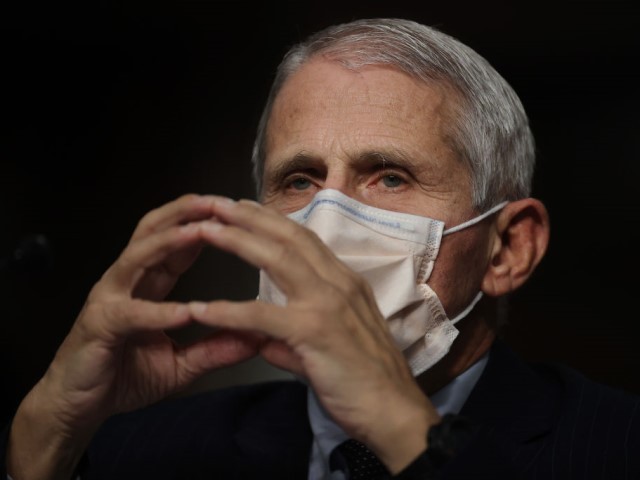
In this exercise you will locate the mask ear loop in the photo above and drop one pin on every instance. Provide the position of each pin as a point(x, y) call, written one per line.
point(457, 228)
point(475, 220)
point(466, 311)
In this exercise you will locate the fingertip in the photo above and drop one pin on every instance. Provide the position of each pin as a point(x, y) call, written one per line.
point(197, 309)
point(223, 203)
point(211, 227)
point(182, 311)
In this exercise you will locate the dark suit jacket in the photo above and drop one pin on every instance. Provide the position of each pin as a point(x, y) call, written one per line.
point(543, 422)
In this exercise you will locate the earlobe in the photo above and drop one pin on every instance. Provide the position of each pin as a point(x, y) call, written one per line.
point(521, 236)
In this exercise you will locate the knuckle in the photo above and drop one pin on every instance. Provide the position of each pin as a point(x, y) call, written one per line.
point(249, 203)
point(92, 309)
point(248, 209)
point(145, 224)
point(332, 301)
point(95, 318)
point(114, 311)
point(188, 198)
point(314, 326)
point(283, 254)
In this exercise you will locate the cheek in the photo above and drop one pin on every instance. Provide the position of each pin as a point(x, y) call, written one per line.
point(458, 270)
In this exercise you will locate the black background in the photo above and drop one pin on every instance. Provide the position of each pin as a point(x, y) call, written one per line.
point(110, 109)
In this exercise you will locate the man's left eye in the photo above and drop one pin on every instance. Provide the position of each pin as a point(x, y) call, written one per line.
point(392, 181)
point(300, 183)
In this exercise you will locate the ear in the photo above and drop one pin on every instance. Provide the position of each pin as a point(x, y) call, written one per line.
point(521, 236)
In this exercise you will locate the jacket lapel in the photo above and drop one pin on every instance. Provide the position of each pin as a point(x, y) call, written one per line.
point(512, 397)
point(274, 438)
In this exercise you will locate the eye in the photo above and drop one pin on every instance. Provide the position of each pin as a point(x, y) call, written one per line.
point(300, 183)
point(392, 181)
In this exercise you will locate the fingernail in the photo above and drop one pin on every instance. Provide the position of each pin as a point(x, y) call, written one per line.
point(224, 202)
point(212, 227)
point(182, 311)
point(197, 308)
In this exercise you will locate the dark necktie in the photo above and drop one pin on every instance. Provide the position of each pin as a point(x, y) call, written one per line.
point(358, 462)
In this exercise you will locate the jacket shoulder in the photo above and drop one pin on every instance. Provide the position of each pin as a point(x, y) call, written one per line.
point(211, 434)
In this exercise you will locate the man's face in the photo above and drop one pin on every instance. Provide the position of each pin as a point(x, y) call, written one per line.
point(378, 136)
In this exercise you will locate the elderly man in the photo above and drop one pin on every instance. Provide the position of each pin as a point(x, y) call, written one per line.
point(394, 168)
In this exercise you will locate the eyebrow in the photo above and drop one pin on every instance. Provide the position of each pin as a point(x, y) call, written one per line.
point(303, 161)
point(387, 158)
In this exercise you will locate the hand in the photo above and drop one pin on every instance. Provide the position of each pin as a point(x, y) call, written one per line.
point(330, 332)
point(117, 356)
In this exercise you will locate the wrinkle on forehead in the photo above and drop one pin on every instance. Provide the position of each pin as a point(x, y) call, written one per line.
point(336, 115)
point(353, 102)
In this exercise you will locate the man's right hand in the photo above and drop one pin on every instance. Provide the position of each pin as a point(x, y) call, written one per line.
point(117, 356)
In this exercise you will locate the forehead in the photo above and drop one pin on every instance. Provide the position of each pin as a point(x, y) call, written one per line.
point(324, 104)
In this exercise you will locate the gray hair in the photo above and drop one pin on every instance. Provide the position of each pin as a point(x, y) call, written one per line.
point(490, 130)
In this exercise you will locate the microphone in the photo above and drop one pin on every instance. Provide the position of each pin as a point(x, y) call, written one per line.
point(33, 254)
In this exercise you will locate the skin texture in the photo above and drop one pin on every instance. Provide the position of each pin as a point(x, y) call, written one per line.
point(376, 135)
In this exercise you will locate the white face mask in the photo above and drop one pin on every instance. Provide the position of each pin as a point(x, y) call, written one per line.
point(395, 253)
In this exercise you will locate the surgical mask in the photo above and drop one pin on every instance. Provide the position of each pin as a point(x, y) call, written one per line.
point(395, 252)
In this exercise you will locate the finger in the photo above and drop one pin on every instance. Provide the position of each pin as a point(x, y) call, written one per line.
point(185, 209)
point(295, 327)
point(159, 282)
point(293, 256)
point(301, 341)
point(284, 334)
point(284, 264)
point(148, 252)
point(255, 316)
point(280, 355)
point(295, 275)
point(266, 223)
point(115, 321)
point(221, 349)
